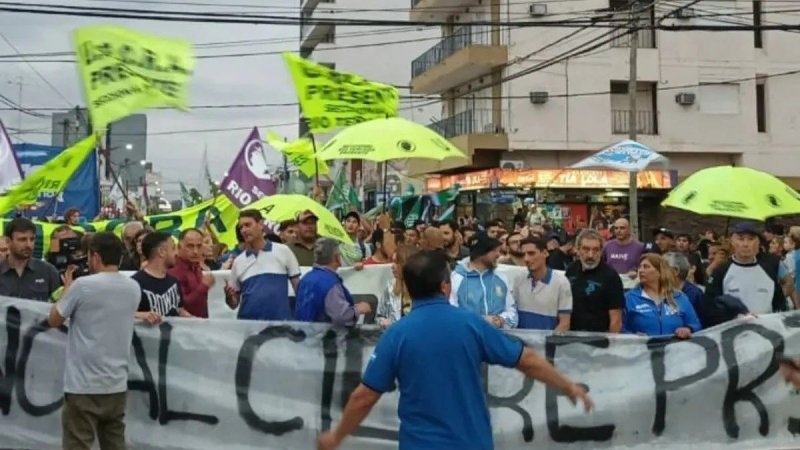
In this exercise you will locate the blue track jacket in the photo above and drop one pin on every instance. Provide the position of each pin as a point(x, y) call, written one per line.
point(642, 315)
point(484, 293)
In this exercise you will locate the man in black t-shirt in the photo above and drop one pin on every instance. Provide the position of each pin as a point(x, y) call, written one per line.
point(161, 293)
point(597, 293)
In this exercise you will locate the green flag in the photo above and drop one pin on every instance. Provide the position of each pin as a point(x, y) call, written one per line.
point(448, 213)
point(414, 214)
point(446, 196)
point(342, 195)
point(187, 199)
point(49, 179)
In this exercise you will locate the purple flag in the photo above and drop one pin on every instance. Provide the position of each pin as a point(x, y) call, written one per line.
point(249, 178)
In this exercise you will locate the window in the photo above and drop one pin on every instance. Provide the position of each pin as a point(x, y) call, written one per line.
point(758, 38)
point(719, 98)
point(646, 108)
point(761, 105)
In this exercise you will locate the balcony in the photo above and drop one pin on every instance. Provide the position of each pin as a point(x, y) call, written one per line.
point(645, 122)
point(473, 130)
point(466, 54)
point(438, 10)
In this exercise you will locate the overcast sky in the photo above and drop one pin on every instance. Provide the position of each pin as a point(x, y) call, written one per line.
point(177, 154)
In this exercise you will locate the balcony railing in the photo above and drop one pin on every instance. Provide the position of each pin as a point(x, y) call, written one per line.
point(415, 2)
point(645, 122)
point(462, 37)
point(646, 39)
point(471, 121)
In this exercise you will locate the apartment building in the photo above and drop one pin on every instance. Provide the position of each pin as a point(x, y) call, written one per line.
point(378, 53)
point(703, 98)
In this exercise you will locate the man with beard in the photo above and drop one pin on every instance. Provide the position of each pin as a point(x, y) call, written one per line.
point(476, 286)
point(515, 255)
point(597, 293)
point(22, 275)
point(161, 293)
point(3, 248)
point(303, 247)
point(260, 277)
point(455, 251)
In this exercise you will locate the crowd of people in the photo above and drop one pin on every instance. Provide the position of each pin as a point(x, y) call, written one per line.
point(676, 285)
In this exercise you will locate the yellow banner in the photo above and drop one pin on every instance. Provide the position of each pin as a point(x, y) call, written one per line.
point(49, 179)
point(223, 213)
point(299, 153)
point(331, 99)
point(125, 71)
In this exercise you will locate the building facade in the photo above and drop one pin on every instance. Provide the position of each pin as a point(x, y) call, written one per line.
point(510, 97)
point(377, 53)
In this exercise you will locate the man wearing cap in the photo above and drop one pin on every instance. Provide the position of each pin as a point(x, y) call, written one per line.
point(749, 276)
point(478, 288)
point(303, 246)
point(663, 241)
point(557, 259)
point(353, 254)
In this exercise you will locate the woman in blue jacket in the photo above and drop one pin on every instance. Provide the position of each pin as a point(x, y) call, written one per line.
point(656, 307)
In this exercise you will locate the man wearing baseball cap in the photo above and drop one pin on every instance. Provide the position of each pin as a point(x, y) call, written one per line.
point(353, 254)
point(303, 247)
point(478, 288)
point(749, 276)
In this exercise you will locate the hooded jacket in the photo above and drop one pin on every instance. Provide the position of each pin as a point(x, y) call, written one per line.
point(485, 293)
point(643, 315)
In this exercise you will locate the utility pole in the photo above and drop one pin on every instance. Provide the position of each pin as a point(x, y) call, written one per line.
point(633, 189)
point(20, 85)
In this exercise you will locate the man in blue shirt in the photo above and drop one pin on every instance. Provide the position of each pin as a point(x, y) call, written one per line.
point(436, 353)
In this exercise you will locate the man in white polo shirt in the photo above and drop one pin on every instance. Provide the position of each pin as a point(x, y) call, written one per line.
point(544, 297)
point(259, 280)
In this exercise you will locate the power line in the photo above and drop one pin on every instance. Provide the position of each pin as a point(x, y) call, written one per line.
point(38, 74)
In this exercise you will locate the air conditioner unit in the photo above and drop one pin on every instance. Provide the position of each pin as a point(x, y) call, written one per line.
point(538, 9)
point(539, 97)
point(685, 98)
point(685, 13)
point(511, 164)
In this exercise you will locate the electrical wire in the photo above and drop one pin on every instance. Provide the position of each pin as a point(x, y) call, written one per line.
point(38, 74)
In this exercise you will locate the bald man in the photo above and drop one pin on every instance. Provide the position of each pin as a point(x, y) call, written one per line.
point(623, 252)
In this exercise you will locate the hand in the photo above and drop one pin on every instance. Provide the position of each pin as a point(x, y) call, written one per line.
point(683, 333)
point(231, 295)
point(577, 392)
point(384, 323)
point(358, 266)
point(790, 374)
point(150, 317)
point(208, 279)
point(328, 441)
point(363, 308)
point(632, 274)
point(227, 264)
point(496, 321)
point(68, 276)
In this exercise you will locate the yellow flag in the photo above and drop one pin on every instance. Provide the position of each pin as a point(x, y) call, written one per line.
point(49, 179)
point(125, 71)
point(332, 99)
point(299, 153)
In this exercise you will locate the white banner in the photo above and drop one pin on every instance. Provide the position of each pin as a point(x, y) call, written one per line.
point(211, 384)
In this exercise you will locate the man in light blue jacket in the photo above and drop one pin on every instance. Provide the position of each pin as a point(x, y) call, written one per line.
point(476, 287)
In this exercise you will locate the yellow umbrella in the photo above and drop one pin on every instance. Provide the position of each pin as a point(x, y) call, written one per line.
point(387, 139)
point(738, 192)
point(279, 208)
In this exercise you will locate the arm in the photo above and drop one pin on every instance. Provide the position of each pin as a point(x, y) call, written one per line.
point(192, 294)
point(510, 315)
point(292, 267)
point(714, 284)
point(361, 402)
point(182, 312)
point(538, 368)
point(455, 284)
point(690, 319)
point(64, 308)
point(564, 306)
point(342, 313)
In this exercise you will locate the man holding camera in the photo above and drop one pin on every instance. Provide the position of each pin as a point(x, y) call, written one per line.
point(66, 254)
point(100, 308)
point(22, 275)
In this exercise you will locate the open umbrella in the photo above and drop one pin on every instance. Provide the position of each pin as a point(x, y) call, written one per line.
point(738, 192)
point(625, 156)
point(282, 207)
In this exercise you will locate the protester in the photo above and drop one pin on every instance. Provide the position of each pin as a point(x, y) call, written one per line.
point(750, 276)
point(477, 288)
point(303, 247)
point(321, 294)
point(597, 293)
point(129, 232)
point(72, 217)
point(289, 232)
point(188, 270)
point(384, 244)
point(515, 255)
point(395, 302)
point(100, 309)
point(681, 267)
point(544, 297)
point(226, 261)
point(412, 236)
point(432, 239)
point(623, 252)
point(209, 255)
point(655, 307)
point(260, 277)
point(22, 275)
point(557, 258)
point(455, 250)
point(683, 244)
point(161, 294)
point(708, 239)
point(137, 256)
point(663, 241)
point(719, 253)
point(358, 251)
point(436, 354)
